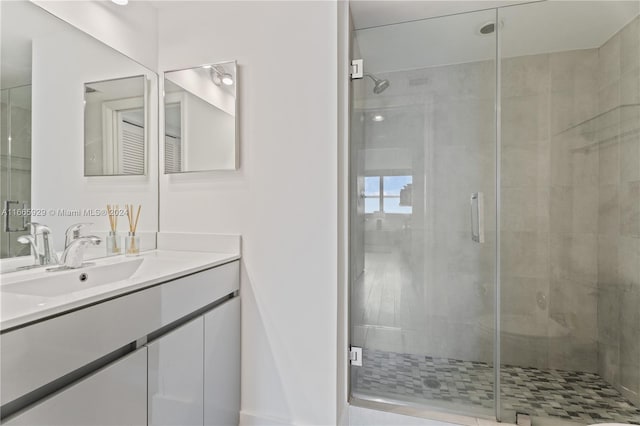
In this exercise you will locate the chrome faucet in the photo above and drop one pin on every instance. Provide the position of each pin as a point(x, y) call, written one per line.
point(43, 238)
point(73, 253)
point(41, 244)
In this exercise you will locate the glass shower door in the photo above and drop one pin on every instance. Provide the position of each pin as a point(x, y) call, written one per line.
point(423, 217)
point(15, 163)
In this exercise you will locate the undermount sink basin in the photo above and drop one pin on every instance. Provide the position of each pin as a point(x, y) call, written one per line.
point(52, 284)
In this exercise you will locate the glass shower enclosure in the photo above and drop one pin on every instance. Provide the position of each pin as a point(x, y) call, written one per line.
point(495, 213)
point(15, 164)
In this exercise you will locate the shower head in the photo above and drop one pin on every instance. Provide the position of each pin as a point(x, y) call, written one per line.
point(379, 85)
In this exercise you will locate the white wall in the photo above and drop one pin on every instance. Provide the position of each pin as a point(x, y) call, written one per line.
point(283, 200)
point(209, 136)
point(131, 29)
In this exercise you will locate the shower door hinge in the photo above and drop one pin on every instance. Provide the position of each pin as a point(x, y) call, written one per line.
point(357, 69)
point(523, 419)
point(355, 356)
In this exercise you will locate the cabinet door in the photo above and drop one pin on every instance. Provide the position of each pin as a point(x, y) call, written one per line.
point(114, 395)
point(176, 376)
point(222, 364)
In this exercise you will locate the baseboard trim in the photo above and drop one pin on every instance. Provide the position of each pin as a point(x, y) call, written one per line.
point(252, 419)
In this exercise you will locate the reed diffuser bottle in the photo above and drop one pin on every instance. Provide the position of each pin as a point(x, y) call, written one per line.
point(113, 241)
point(132, 241)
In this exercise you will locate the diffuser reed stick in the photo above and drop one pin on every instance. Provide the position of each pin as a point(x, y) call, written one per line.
point(135, 225)
point(113, 217)
point(132, 240)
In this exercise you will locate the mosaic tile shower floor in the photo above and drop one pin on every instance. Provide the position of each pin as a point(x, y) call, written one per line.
point(575, 396)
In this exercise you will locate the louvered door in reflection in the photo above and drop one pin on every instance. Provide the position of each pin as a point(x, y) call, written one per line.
point(132, 149)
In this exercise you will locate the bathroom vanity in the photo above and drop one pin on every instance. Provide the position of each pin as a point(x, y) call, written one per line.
point(160, 346)
point(152, 339)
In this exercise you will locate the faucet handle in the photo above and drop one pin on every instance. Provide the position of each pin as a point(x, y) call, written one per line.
point(32, 227)
point(73, 232)
point(38, 228)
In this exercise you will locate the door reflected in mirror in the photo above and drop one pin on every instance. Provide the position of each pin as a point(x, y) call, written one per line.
point(200, 119)
point(115, 127)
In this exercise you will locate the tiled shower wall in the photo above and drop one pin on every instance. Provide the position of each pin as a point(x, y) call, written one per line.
point(549, 212)
point(618, 138)
point(571, 211)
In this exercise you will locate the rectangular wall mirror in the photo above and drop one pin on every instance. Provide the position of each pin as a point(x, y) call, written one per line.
point(115, 126)
point(49, 154)
point(200, 118)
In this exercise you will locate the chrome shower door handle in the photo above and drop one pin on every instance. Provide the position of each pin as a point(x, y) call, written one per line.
point(7, 215)
point(477, 217)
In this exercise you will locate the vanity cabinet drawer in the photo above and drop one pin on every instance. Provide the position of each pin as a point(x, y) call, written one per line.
point(37, 354)
point(114, 395)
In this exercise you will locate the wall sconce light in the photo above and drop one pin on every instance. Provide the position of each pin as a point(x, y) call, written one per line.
point(219, 76)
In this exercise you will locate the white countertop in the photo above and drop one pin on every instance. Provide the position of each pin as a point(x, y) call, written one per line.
point(158, 266)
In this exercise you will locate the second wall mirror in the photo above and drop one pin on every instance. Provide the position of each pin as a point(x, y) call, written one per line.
point(200, 118)
point(115, 132)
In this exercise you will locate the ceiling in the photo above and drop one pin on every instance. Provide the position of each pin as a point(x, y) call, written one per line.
point(526, 29)
point(120, 88)
point(22, 22)
point(373, 13)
